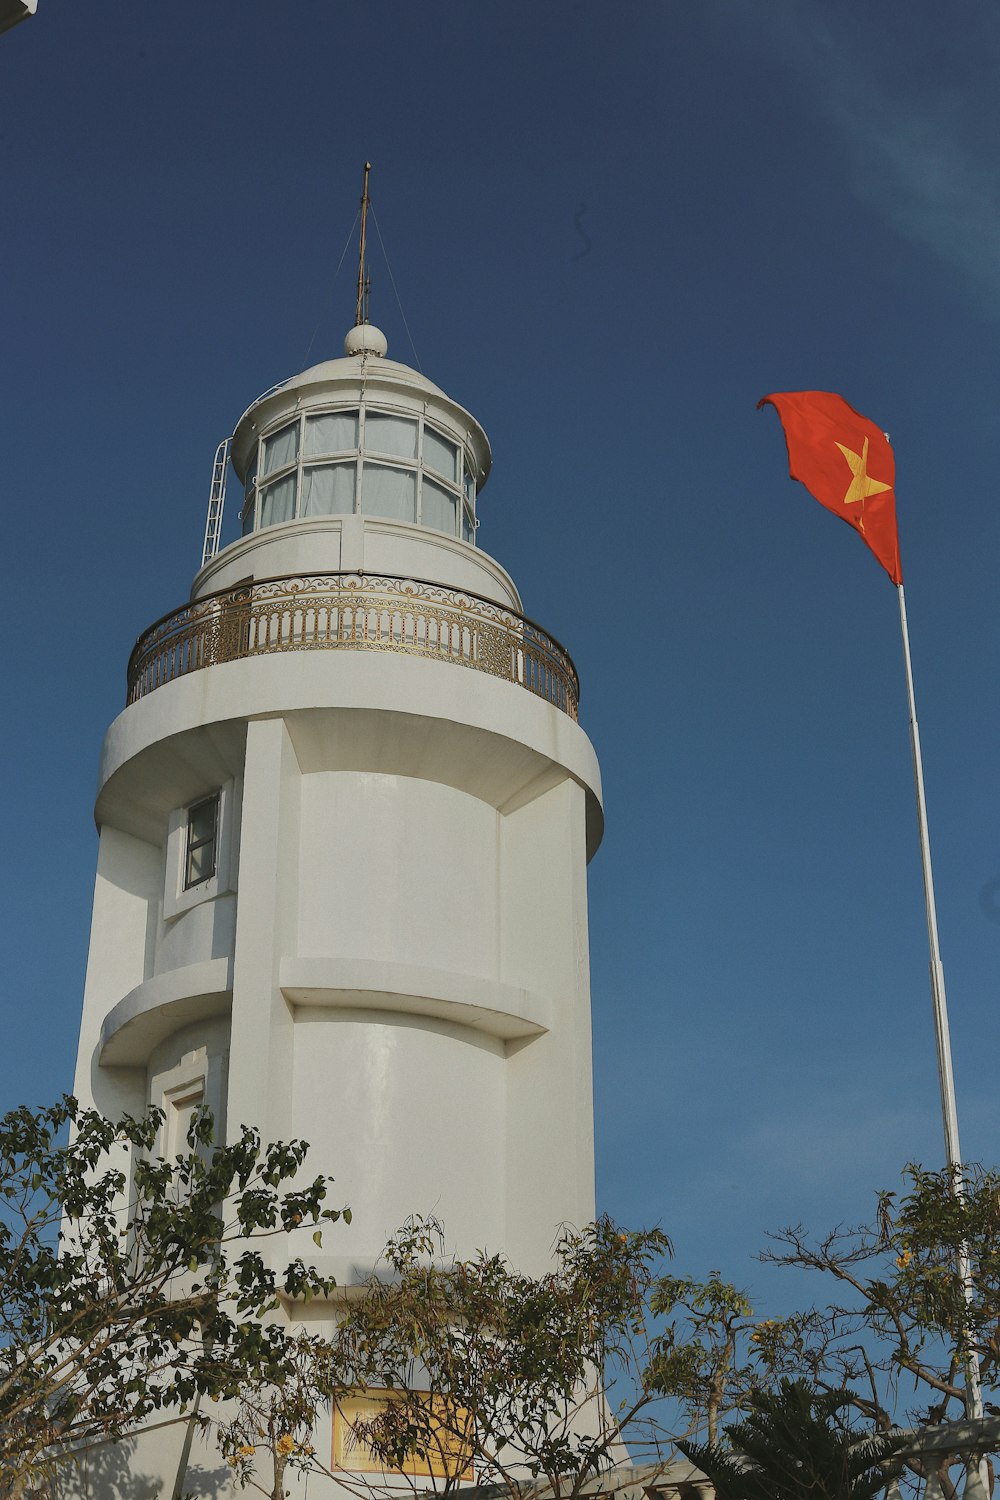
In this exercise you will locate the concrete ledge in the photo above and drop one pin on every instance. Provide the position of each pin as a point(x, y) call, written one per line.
point(161, 1005)
point(487, 1005)
point(434, 719)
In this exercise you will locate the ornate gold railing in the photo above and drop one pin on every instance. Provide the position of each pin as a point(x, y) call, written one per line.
point(354, 611)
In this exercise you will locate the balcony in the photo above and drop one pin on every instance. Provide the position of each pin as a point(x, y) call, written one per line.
point(354, 612)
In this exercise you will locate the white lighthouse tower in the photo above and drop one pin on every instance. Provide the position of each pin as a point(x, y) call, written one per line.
point(344, 823)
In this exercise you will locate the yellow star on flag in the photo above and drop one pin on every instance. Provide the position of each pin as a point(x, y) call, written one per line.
point(861, 486)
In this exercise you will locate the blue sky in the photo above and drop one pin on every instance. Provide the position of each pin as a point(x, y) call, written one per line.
point(609, 239)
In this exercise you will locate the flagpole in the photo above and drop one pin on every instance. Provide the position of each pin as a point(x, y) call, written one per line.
point(939, 999)
point(812, 421)
point(946, 1079)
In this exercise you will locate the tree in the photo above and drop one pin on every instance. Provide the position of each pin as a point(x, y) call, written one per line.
point(541, 1378)
point(471, 1365)
point(701, 1354)
point(130, 1288)
point(527, 1377)
point(789, 1446)
point(273, 1419)
point(893, 1343)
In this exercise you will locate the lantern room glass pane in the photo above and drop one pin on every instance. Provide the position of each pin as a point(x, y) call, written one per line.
point(392, 435)
point(439, 454)
point(327, 489)
point(332, 432)
point(277, 501)
point(389, 492)
point(281, 448)
point(468, 526)
point(438, 507)
point(470, 487)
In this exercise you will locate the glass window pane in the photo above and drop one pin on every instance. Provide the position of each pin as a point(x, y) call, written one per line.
point(327, 489)
point(281, 448)
point(333, 432)
point(468, 527)
point(201, 822)
point(202, 829)
point(277, 501)
point(201, 863)
point(440, 454)
point(394, 435)
point(389, 492)
point(437, 506)
point(470, 487)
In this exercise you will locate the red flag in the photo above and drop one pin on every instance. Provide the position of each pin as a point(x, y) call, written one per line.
point(846, 463)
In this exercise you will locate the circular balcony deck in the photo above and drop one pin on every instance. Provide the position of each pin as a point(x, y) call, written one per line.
point(354, 612)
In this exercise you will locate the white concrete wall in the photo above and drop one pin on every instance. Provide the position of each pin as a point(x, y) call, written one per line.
point(148, 1467)
point(359, 544)
point(550, 1134)
point(261, 1053)
point(206, 931)
point(397, 868)
point(122, 932)
point(408, 1113)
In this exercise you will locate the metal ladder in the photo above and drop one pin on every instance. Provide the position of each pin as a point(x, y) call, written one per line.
point(216, 502)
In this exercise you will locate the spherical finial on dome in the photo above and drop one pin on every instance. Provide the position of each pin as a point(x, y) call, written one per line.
point(365, 339)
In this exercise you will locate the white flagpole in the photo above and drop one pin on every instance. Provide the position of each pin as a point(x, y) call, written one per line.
point(946, 1080)
point(939, 999)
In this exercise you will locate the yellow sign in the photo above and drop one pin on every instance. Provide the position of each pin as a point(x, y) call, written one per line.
point(448, 1456)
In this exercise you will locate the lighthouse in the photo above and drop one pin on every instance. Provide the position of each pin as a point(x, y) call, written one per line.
point(345, 819)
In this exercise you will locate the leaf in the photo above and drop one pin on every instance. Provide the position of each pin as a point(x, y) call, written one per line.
point(318, 1238)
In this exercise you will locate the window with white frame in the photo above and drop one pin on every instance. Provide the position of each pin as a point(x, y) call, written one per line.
point(187, 1072)
point(180, 1105)
point(202, 850)
point(382, 463)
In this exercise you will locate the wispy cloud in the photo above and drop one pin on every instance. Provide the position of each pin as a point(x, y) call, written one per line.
point(917, 166)
point(921, 152)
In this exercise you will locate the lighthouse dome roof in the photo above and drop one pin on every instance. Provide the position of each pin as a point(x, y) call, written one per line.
point(349, 368)
point(364, 344)
point(362, 375)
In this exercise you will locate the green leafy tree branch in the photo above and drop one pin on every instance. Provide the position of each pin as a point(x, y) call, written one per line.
point(131, 1284)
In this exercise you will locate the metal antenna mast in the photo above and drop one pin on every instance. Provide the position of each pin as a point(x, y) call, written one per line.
point(364, 282)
